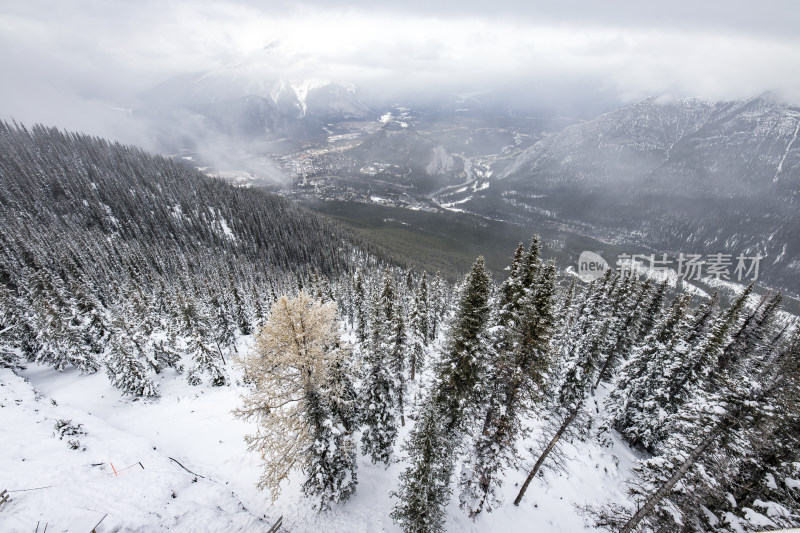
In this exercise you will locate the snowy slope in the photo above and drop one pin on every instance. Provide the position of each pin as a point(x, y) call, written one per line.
point(194, 426)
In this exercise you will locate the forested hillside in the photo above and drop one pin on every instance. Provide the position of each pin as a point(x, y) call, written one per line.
point(98, 238)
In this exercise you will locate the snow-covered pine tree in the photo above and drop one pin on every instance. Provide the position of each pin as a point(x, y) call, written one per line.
point(453, 403)
point(687, 487)
point(531, 263)
point(165, 355)
point(359, 303)
point(341, 395)
point(206, 356)
point(638, 407)
point(749, 336)
point(625, 319)
point(418, 329)
point(424, 307)
point(94, 322)
point(297, 401)
point(692, 371)
point(653, 310)
point(241, 309)
point(207, 361)
point(10, 322)
point(438, 304)
point(703, 318)
point(510, 294)
point(259, 316)
point(24, 334)
point(59, 339)
point(424, 487)
point(462, 370)
point(124, 367)
point(518, 382)
point(579, 375)
point(331, 473)
point(379, 408)
point(222, 324)
point(764, 487)
point(570, 310)
point(398, 356)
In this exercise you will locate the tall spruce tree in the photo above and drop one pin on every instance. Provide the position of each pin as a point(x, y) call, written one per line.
point(418, 329)
point(692, 372)
point(452, 404)
point(518, 383)
point(578, 375)
point(623, 327)
point(379, 408)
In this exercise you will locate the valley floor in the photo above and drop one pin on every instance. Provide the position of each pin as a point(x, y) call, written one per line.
point(145, 490)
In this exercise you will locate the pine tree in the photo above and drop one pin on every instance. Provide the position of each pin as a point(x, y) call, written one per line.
point(692, 371)
point(207, 361)
point(422, 303)
point(125, 369)
point(241, 313)
point(639, 405)
point(223, 327)
point(398, 357)
point(653, 310)
point(341, 395)
point(578, 379)
point(463, 366)
point(623, 327)
point(438, 304)
point(299, 403)
point(331, 472)
point(750, 333)
point(380, 395)
point(359, 302)
point(703, 319)
point(518, 383)
point(165, 355)
point(10, 323)
point(772, 454)
point(59, 338)
point(424, 487)
point(711, 442)
point(531, 264)
point(453, 404)
point(418, 330)
point(94, 324)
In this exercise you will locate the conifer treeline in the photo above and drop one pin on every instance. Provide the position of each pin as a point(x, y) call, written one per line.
point(107, 252)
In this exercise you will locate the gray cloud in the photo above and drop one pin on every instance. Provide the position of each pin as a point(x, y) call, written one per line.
point(74, 64)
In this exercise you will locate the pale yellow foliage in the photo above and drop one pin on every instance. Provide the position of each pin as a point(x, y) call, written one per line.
point(293, 354)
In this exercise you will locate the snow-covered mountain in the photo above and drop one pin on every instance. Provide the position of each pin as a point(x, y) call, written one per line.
point(687, 145)
point(294, 99)
point(680, 175)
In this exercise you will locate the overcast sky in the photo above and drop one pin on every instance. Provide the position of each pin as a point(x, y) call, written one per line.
point(68, 63)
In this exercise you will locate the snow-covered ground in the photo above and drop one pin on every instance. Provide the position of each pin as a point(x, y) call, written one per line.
point(145, 490)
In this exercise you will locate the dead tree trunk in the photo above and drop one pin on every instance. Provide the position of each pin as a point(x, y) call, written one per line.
point(662, 491)
point(550, 447)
